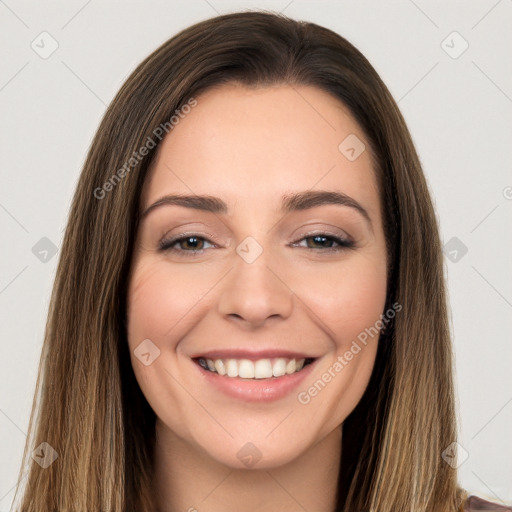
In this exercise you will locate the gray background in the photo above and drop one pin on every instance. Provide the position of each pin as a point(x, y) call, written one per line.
point(458, 107)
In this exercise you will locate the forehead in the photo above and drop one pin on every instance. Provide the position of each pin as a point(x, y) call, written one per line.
point(247, 145)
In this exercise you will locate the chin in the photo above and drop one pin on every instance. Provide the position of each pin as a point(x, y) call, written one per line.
point(255, 456)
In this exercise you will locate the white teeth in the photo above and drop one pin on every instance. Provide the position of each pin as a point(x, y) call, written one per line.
point(291, 366)
point(232, 368)
point(219, 366)
point(263, 369)
point(246, 369)
point(279, 367)
point(260, 369)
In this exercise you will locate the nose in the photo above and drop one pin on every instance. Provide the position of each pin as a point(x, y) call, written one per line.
point(254, 293)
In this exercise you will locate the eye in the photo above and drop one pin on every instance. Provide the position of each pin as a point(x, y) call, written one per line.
point(195, 244)
point(191, 243)
point(323, 242)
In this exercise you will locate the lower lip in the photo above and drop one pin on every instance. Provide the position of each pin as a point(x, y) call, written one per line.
point(256, 390)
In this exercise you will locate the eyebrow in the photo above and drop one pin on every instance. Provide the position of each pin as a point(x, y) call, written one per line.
point(290, 202)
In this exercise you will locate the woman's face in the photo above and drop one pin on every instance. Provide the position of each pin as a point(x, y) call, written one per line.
point(256, 279)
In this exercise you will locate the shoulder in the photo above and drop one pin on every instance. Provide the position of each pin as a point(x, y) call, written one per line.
point(476, 504)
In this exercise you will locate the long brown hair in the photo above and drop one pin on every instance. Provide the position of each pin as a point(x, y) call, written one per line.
point(88, 407)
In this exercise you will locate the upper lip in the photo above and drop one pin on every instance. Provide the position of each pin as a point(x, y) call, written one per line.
point(252, 355)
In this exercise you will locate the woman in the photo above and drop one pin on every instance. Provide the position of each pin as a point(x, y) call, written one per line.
point(249, 311)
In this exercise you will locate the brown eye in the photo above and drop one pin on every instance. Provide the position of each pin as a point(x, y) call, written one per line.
point(190, 243)
point(325, 242)
point(193, 242)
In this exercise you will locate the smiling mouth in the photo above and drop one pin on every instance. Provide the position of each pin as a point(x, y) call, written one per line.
point(258, 369)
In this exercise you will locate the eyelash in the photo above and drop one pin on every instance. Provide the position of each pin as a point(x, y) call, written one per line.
point(343, 244)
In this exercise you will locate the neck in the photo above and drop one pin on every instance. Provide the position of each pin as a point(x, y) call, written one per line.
point(188, 480)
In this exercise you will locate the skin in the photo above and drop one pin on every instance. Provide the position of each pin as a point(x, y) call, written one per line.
point(249, 147)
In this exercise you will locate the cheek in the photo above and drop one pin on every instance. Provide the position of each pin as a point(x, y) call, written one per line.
point(348, 301)
point(345, 298)
point(162, 307)
point(162, 303)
